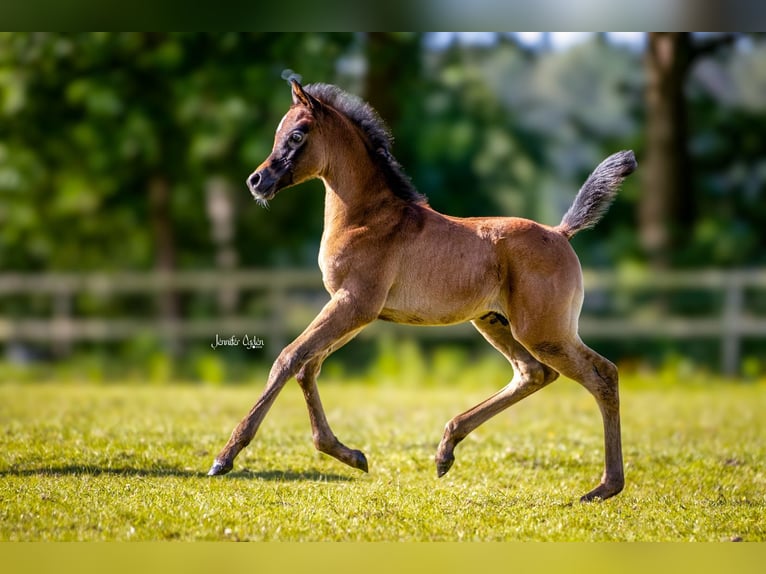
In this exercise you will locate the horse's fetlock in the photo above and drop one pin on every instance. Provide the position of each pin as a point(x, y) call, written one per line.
point(324, 442)
point(453, 432)
point(616, 484)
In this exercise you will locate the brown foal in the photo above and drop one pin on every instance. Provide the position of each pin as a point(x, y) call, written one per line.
point(385, 254)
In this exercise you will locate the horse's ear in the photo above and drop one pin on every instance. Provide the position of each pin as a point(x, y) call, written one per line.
point(301, 97)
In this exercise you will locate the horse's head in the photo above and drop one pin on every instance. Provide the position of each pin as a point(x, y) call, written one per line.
point(294, 158)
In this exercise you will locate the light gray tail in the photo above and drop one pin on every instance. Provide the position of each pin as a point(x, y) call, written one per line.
point(597, 193)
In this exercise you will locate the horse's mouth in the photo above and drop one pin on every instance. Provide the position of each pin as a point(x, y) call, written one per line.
point(263, 197)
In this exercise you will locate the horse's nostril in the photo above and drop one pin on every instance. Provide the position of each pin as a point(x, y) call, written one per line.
point(254, 180)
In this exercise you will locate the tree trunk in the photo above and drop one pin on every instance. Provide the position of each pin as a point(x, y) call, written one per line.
point(667, 201)
point(221, 211)
point(165, 254)
point(392, 61)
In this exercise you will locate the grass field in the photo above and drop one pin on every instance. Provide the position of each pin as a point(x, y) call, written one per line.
point(122, 462)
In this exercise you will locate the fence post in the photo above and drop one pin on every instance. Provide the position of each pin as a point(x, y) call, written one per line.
point(732, 312)
point(61, 328)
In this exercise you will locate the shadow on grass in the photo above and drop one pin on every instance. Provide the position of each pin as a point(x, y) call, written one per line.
point(93, 470)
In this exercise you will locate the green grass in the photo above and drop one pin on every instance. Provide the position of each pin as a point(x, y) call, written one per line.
point(122, 462)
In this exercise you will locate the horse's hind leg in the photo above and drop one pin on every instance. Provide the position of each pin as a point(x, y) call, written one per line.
point(324, 439)
point(575, 360)
point(530, 375)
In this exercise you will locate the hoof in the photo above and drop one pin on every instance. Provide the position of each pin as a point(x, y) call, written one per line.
point(442, 466)
point(219, 468)
point(602, 492)
point(360, 461)
point(590, 498)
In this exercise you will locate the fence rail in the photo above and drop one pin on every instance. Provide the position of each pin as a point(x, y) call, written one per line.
point(285, 314)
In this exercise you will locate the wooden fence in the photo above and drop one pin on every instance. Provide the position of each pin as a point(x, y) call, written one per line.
point(276, 305)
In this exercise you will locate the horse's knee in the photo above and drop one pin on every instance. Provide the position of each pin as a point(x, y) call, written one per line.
point(293, 361)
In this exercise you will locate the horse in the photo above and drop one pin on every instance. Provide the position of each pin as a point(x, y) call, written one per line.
point(386, 254)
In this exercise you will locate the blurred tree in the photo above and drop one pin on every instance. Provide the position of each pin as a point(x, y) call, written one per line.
point(471, 155)
point(728, 112)
point(668, 205)
point(108, 143)
point(562, 112)
point(393, 69)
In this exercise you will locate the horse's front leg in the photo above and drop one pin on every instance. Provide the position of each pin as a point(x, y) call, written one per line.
point(340, 319)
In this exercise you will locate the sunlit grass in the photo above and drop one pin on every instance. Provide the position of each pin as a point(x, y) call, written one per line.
point(121, 462)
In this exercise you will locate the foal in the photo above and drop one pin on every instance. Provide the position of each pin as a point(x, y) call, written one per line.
point(385, 254)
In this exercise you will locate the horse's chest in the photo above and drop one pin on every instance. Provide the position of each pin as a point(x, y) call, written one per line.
point(355, 256)
point(335, 262)
point(331, 278)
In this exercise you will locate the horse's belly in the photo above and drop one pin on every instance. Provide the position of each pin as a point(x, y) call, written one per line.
point(405, 318)
point(409, 318)
point(420, 308)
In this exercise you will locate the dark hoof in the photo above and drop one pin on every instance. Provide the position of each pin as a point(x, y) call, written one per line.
point(360, 461)
point(219, 468)
point(602, 492)
point(442, 466)
point(590, 498)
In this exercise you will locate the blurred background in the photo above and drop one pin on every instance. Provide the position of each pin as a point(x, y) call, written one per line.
point(131, 249)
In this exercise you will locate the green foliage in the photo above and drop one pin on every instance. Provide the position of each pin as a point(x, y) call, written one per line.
point(89, 121)
point(399, 363)
point(83, 462)
point(210, 368)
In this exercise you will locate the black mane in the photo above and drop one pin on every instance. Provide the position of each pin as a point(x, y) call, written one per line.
point(368, 120)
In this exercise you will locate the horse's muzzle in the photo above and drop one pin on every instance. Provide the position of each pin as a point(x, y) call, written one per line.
point(253, 181)
point(262, 185)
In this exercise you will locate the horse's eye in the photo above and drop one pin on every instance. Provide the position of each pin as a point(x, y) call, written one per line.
point(296, 138)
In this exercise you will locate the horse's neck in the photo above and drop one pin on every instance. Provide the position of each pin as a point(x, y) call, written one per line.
point(351, 201)
point(356, 189)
